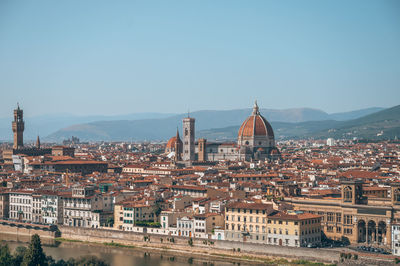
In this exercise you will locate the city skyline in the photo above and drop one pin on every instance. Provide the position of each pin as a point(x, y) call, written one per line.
point(95, 58)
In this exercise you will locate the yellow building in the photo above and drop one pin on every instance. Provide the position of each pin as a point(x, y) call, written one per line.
point(260, 223)
point(126, 214)
point(247, 222)
point(294, 229)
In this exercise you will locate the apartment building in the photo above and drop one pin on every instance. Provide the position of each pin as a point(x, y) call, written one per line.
point(81, 206)
point(246, 222)
point(21, 205)
point(294, 229)
point(396, 239)
point(4, 205)
point(51, 208)
point(128, 213)
point(36, 208)
point(204, 224)
point(185, 226)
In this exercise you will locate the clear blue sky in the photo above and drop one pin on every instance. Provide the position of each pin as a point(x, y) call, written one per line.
point(116, 57)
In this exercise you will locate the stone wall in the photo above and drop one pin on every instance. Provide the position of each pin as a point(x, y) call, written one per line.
point(22, 231)
point(281, 251)
point(180, 243)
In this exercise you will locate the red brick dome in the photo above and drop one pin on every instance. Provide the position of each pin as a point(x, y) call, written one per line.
point(255, 125)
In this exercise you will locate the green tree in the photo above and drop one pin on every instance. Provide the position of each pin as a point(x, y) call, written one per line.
point(110, 221)
point(19, 254)
point(157, 209)
point(34, 255)
point(5, 255)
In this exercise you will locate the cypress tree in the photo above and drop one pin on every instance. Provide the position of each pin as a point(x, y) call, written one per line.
point(34, 256)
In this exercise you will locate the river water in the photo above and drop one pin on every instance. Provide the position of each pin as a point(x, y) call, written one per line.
point(115, 256)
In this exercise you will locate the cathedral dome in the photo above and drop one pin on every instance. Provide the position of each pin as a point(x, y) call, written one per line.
point(255, 125)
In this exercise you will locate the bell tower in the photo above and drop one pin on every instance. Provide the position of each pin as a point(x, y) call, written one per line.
point(178, 147)
point(352, 192)
point(18, 127)
point(188, 139)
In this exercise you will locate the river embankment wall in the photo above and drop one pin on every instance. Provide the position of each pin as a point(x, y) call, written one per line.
point(26, 232)
point(198, 245)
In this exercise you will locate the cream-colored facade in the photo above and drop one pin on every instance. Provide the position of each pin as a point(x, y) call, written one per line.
point(247, 222)
point(360, 219)
point(294, 229)
point(260, 223)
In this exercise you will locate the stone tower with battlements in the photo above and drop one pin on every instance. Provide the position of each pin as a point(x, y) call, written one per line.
point(18, 127)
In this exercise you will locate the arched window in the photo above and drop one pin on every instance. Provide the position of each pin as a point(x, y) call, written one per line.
point(348, 195)
point(397, 194)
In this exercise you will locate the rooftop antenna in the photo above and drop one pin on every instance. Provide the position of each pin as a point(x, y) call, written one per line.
point(188, 113)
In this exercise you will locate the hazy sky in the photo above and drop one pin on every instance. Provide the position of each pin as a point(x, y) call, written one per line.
point(115, 57)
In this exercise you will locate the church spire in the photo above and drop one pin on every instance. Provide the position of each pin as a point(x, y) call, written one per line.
point(177, 133)
point(38, 142)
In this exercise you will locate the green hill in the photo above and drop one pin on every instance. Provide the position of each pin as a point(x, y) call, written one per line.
point(380, 125)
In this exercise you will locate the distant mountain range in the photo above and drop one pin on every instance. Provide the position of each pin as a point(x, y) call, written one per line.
point(47, 124)
point(221, 125)
point(383, 124)
point(213, 125)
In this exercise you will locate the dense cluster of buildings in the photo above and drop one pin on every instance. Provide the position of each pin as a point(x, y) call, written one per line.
point(301, 194)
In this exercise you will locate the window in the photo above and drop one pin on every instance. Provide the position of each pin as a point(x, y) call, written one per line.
point(348, 231)
point(348, 219)
point(348, 194)
point(338, 217)
point(330, 217)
